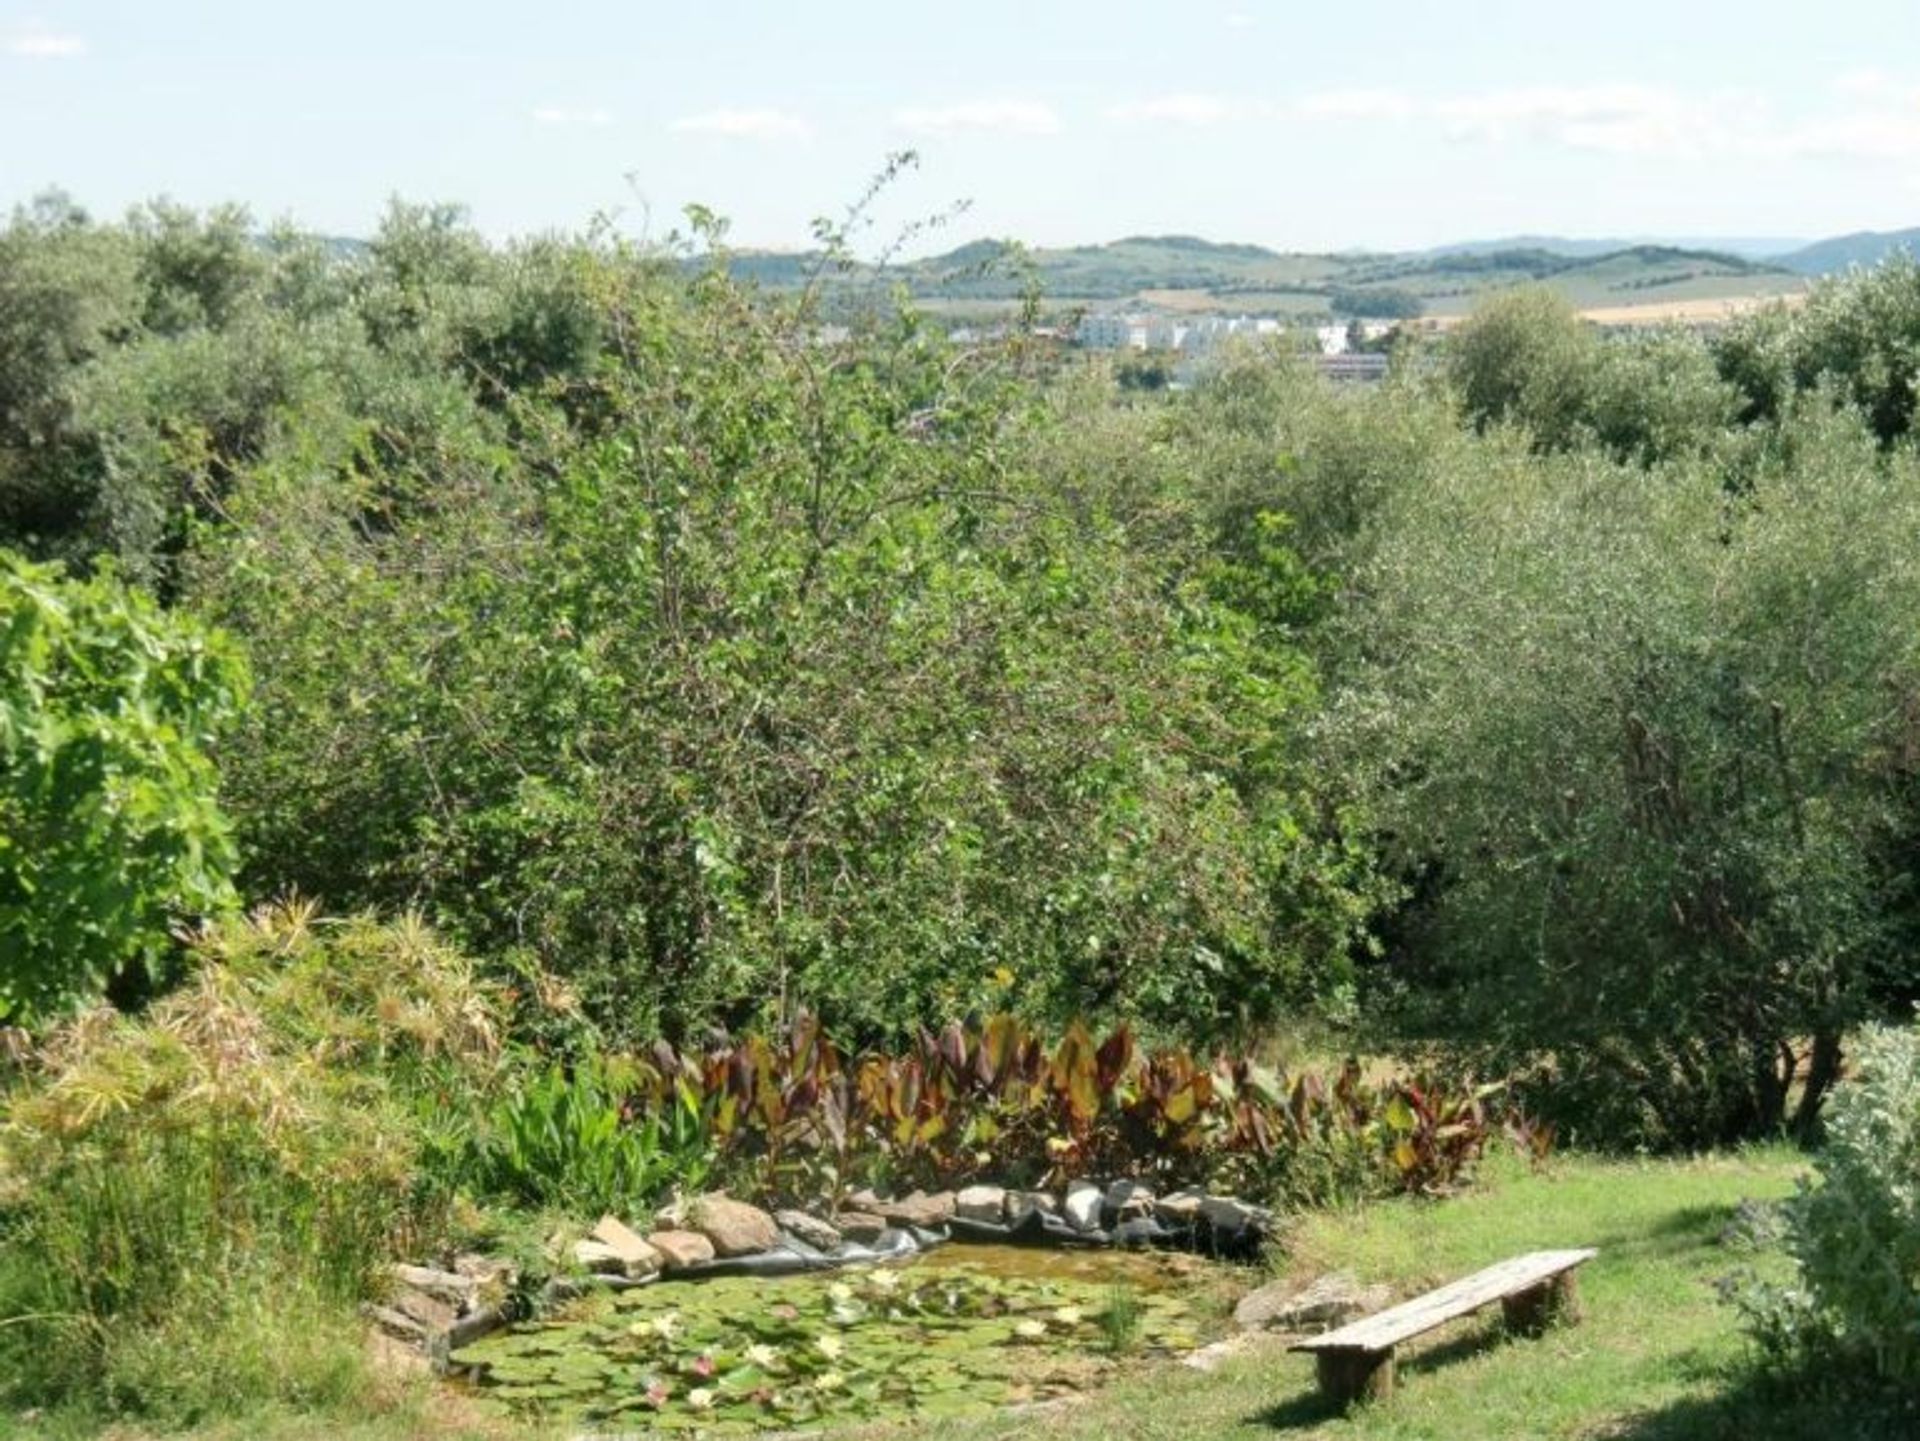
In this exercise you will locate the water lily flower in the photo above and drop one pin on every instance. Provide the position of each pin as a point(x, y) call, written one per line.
point(884, 1280)
point(656, 1394)
point(1068, 1315)
point(665, 1326)
point(1029, 1330)
point(702, 1366)
point(829, 1381)
point(832, 1347)
point(700, 1398)
point(840, 1292)
point(763, 1355)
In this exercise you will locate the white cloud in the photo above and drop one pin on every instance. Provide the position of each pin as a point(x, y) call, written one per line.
point(1359, 105)
point(1879, 118)
point(1184, 109)
point(34, 41)
point(750, 124)
point(572, 115)
point(1013, 117)
point(1240, 20)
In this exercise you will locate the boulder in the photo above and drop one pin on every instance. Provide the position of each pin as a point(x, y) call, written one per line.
point(451, 1288)
point(638, 1258)
point(859, 1225)
point(1233, 1226)
point(1020, 1203)
point(599, 1258)
point(734, 1227)
point(1332, 1300)
point(1179, 1208)
point(919, 1209)
point(1127, 1201)
point(981, 1203)
point(681, 1249)
point(487, 1271)
point(432, 1314)
point(864, 1200)
point(815, 1232)
point(1082, 1205)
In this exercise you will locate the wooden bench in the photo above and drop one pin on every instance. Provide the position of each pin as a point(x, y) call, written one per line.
point(1534, 1290)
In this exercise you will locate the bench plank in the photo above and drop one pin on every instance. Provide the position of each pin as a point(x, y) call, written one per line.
point(1387, 1329)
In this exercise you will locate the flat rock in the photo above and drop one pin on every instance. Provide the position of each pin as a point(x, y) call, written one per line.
point(450, 1287)
point(486, 1270)
point(680, 1249)
point(919, 1209)
point(1082, 1205)
point(859, 1225)
point(638, 1257)
point(811, 1229)
point(981, 1203)
point(734, 1227)
point(1332, 1300)
point(433, 1314)
point(1179, 1208)
point(599, 1258)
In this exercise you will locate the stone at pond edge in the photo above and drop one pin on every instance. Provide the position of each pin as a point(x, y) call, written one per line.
point(1020, 1203)
point(1180, 1208)
point(680, 1249)
point(599, 1258)
point(451, 1288)
point(811, 1229)
point(1083, 1206)
point(1333, 1300)
point(734, 1227)
point(1127, 1201)
point(637, 1257)
point(859, 1225)
point(981, 1203)
point(919, 1209)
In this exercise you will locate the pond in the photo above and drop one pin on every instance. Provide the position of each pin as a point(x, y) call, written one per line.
point(964, 1329)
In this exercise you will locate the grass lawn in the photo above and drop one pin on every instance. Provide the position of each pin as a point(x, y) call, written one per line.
point(1658, 1358)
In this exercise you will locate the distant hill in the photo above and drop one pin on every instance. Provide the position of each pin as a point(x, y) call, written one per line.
point(1747, 247)
point(1842, 252)
point(1185, 273)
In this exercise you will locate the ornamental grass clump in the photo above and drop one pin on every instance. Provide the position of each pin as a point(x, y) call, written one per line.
point(199, 1196)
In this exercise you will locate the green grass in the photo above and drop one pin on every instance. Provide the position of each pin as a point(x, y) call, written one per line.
point(1658, 1358)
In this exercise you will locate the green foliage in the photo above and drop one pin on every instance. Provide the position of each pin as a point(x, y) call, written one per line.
point(110, 832)
point(1854, 1234)
point(192, 1203)
point(568, 1140)
point(1650, 846)
point(799, 1118)
point(759, 672)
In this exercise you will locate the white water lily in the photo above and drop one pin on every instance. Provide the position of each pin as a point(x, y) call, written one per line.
point(829, 1381)
point(884, 1280)
point(840, 1292)
point(762, 1355)
point(700, 1398)
point(665, 1326)
point(1068, 1315)
point(832, 1347)
point(1029, 1330)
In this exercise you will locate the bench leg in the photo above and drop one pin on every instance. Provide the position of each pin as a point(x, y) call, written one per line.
point(1350, 1376)
point(1551, 1303)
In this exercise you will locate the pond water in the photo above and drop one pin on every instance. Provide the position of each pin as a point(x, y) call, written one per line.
point(964, 1328)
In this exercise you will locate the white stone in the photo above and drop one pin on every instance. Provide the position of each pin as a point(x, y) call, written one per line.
point(981, 1203)
point(1082, 1206)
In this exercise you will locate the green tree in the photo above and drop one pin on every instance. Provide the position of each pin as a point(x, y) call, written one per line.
point(110, 831)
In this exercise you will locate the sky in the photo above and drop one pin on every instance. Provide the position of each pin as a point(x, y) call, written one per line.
point(1380, 124)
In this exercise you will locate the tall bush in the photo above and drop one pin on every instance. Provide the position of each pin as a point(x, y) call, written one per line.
point(110, 828)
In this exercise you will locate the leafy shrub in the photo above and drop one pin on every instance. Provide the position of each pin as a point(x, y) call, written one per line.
point(567, 1138)
point(797, 1117)
point(109, 829)
point(1854, 1235)
point(192, 1202)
